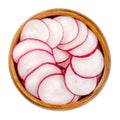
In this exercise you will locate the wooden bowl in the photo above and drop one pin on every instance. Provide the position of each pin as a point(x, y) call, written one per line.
point(102, 42)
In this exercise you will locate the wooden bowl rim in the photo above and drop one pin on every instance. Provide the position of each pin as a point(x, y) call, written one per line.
point(101, 39)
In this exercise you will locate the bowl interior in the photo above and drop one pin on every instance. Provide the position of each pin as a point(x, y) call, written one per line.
point(102, 42)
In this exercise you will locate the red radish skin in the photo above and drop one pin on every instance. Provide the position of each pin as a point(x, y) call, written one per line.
point(55, 30)
point(29, 44)
point(78, 85)
point(70, 28)
point(79, 40)
point(87, 48)
point(52, 90)
point(35, 28)
point(30, 60)
point(60, 55)
point(35, 77)
point(88, 67)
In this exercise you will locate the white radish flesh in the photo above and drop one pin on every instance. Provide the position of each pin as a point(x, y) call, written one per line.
point(80, 39)
point(35, 77)
point(89, 66)
point(55, 30)
point(87, 47)
point(35, 29)
point(78, 85)
point(60, 55)
point(31, 60)
point(27, 45)
point(52, 90)
point(70, 28)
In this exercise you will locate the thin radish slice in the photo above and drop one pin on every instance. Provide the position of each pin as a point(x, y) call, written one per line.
point(31, 60)
point(99, 77)
point(64, 64)
point(52, 90)
point(89, 66)
point(78, 85)
point(80, 39)
point(27, 45)
point(60, 55)
point(76, 98)
point(35, 28)
point(55, 30)
point(87, 47)
point(70, 28)
point(35, 77)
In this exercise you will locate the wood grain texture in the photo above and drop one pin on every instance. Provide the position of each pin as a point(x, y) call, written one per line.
point(102, 41)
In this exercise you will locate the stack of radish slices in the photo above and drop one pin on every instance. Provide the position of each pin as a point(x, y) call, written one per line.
point(58, 59)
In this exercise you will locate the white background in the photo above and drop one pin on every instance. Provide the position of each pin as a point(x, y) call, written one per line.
point(106, 14)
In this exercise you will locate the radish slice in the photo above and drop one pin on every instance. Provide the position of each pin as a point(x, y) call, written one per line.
point(34, 78)
point(27, 45)
point(89, 66)
point(99, 77)
point(35, 29)
point(78, 85)
point(87, 47)
point(60, 55)
point(70, 28)
point(76, 98)
point(31, 60)
point(52, 90)
point(80, 39)
point(56, 32)
point(65, 63)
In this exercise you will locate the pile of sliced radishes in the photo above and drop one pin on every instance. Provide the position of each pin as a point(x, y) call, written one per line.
point(58, 59)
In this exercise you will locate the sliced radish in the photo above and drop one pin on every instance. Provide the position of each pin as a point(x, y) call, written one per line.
point(99, 77)
point(58, 59)
point(78, 85)
point(65, 63)
point(76, 98)
point(80, 39)
point(31, 60)
point(87, 47)
point(60, 55)
point(89, 66)
point(70, 28)
point(52, 90)
point(34, 78)
point(27, 45)
point(35, 28)
point(55, 30)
